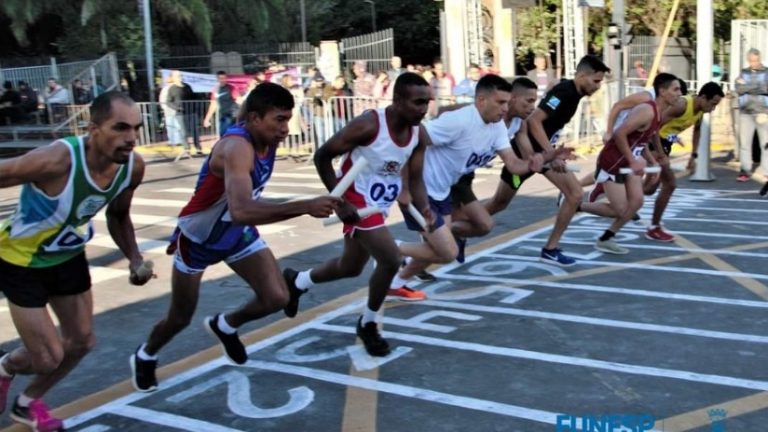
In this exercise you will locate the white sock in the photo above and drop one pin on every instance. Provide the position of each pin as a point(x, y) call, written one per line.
point(369, 315)
point(3, 371)
point(304, 280)
point(224, 325)
point(398, 282)
point(143, 355)
point(24, 400)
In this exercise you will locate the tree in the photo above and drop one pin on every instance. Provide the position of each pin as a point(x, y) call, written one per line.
point(538, 30)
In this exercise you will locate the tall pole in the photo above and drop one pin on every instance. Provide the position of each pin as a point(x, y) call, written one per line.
point(373, 13)
point(148, 48)
point(618, 62)
point(303, 22)
point(704, 31)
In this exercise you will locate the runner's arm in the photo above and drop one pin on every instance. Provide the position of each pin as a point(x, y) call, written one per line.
point(415, 176)
point(639, 118)
point(519, 166)
point(627, 103)
point(40, 165)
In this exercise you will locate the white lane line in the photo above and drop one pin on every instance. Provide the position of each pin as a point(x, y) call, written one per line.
point(170, 420)
point(100, 274)
point(639, 266)
point(602, 224)
point(266, 194)
point(408, 391)
point(145, 245)
point(607, 289)
point(662, 248)
point(687, 331)
point(566, 360)
point(170, 222)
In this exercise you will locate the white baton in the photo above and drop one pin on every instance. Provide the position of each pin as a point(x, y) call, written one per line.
point(363, 213)
point(416, 215)
point(349, 177)
point(648, 170)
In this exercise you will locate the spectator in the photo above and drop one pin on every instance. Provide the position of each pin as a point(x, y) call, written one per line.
point(173, 125)
point(340, 92)
point(397, 68)
point(10, 105)
point(380, 89)
point(28, 96)
point(295, 124)
point(182, 92)
point(442, 84)
point(362, 87)
point(465, 90)
point(56, 98)
point(80, 94)
point(639, 71)
point(223, 99)
point(317, 93)
point(542, 75)
point(752, 87)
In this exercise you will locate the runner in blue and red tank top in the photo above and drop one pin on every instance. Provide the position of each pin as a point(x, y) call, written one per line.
point(627, 149)
point(218, 224)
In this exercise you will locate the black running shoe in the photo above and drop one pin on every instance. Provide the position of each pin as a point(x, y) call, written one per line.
point(372, 340)
point(231, 346)
point(292, 308)
point(143, 373)
point(764, 189)
point(461, 242)
point(426, 276)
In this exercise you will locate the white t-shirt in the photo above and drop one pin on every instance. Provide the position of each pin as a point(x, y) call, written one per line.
point(514, 127)
point(461, 142)
point(622, 117)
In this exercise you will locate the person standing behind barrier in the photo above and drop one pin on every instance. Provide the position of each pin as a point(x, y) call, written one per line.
point(542, 76)
point(340, 107)
point(316, 92)
point(172, 127)
point(362, 88)
point(752, 87)
point(174, 102)
point(42, 247)
point(56, 98)
point(219, 225)
point(465, 90)
point(190, 116)
point(223, 99)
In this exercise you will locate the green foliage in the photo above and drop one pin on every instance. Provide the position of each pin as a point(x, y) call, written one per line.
point(537, 30)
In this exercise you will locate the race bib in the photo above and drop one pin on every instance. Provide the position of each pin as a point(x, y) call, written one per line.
point(70, 238)
point(383, 191)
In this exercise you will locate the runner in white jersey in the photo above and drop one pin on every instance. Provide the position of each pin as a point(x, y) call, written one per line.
point(462, 141)
point(42, 248)
point(391, 139)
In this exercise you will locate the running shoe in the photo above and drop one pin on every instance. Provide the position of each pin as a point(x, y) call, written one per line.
point(405, 294)
point(231, 346)
point(611, 247)
point(557, 257)
point(658, 233)
point(374, 344)
point(425, 276)
point(37, 416)
point(143, 373)
point(742, 177)
point(764, 189)
point(595, 193)
point(5, 385)
point(462, 244)
point(292, 308)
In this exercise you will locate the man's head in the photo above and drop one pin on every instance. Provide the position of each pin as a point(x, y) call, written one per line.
point(438, 68)
point(221, 77)
point(523, 100)
point(23, 85)
point(411, 96)
point(639, 64)
point(710, 94)
point(492, 96)
point(359, 68)
point(77, 83)
point(52, 82)
point(540, 62)
point(114, 126)
point(667, 87)
point(339, 82)
point(473, 72)
point(396, 62)
point(753, 59)
point(176, 77)
point(590, 73)
point(267, 111)
point(8, 85)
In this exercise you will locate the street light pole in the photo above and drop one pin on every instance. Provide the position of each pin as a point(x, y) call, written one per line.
point(373, 13)
point(303, 22)
point(148, 47)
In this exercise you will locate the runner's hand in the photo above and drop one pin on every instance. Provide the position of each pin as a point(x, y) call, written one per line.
point(536, 162)
point(430, 217)
point(558, 165)
point(140, 272)
point(323, 206)
point(347, 213)
point(637, 166)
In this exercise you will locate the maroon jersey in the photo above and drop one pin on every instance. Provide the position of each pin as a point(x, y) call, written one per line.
point(611, 159)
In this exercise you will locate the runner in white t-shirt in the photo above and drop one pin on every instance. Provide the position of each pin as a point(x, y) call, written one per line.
point(462, 141)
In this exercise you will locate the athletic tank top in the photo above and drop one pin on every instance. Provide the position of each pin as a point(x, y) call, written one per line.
point(672, 128)
point(611, 159)
point(206, 218)
point(45, 231)
point(380, 182)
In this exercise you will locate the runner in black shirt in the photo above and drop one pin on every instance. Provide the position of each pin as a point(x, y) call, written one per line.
point(540, 133)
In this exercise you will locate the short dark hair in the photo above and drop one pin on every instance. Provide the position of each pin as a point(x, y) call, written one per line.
point(406, 80)
point(221, 72)
point(491, 82)
point(101, 107)
point(523, 83)
point(590, 63)
point(710, 90)
point(267, 96)
point(683, 87)
point(662, 81)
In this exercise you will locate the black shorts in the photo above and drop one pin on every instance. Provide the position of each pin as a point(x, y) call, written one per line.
point(666, 145)
point(515, 181)
point(461, 192)
point(31, 287)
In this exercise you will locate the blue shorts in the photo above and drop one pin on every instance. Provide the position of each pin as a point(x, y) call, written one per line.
point(191, 258)
point(439, 209)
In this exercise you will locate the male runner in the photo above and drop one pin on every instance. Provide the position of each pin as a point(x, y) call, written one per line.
point(626, 149)
point(391, 140)
point(541, 131)
point(462, 141)
point(42, 247)
point(218, 224)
